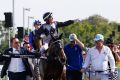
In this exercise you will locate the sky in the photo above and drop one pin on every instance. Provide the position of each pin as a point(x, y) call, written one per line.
point(62, 9)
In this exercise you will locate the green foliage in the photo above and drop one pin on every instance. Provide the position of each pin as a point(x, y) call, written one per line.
point(87, 28)
point(4, 46)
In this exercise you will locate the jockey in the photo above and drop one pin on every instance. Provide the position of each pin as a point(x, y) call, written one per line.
point(50, 27)
point(36, 25)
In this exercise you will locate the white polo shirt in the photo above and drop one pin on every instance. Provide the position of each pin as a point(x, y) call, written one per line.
point(99, 60)
point(16, 64)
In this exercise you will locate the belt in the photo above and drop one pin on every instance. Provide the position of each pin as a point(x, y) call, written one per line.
point(15, 72)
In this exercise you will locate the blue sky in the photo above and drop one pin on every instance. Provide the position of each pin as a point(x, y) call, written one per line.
point(62, 9)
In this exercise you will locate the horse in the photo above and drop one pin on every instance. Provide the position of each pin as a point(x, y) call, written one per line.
point(52, 67)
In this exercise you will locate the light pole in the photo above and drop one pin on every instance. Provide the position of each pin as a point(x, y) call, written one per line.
point(24, 9)
point(29, 22)
point(13, 17)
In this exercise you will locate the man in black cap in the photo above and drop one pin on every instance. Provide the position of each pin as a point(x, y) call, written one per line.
point(51, 27)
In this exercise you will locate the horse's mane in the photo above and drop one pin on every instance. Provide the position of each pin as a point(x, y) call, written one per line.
point(37, 41)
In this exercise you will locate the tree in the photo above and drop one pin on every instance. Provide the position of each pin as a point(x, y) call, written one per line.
point(91, 26)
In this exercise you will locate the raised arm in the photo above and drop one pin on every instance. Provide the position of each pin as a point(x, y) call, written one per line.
point(78, 41)
point(66, 23)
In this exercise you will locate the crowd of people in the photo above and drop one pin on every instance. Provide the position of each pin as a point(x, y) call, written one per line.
point(100, 60)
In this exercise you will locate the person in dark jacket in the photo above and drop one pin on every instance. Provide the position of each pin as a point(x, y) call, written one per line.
point(51, 28)
point(17, 68)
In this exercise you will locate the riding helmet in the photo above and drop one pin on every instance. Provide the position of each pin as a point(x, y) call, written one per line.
point(46, 16)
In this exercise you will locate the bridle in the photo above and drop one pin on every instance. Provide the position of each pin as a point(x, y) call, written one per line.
point(60, 42)
point(57, 57)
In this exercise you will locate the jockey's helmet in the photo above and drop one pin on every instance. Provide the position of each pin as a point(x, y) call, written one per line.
point(47, 15)
point(37, 22)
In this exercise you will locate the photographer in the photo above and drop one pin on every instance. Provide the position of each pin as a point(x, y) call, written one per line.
point(116, 53)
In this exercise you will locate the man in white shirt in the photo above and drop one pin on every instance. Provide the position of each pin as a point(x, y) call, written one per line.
point(99, 56)
point(17, 68)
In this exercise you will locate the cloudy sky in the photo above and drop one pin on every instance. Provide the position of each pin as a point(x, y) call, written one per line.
point(62, 9)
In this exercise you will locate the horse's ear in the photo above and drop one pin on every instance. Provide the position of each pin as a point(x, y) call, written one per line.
point(60, 36)
point(53, 38)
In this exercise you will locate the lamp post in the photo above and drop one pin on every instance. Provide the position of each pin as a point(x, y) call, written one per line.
point(13, 16)
point(29, 22)
point(24, 9)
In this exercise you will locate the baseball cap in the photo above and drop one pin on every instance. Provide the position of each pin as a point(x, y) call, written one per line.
point(98, 37)
point(72, 36)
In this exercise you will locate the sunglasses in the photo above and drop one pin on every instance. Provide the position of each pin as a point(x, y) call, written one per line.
point(17, 42)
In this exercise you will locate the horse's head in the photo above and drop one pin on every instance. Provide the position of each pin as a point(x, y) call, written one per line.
point(56, 47)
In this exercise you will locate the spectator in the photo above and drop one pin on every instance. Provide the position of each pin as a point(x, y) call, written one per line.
point(116, 53)
point(27, 46)
point(85, 74)
point(84, 55)
point(25, 40)
point(17, 68)
point(73, 51)
point(99, 56)
point(30, 60)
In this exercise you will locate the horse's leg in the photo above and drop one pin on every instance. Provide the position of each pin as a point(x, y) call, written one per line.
point(62, 55)
point(46, 78)
point(63, 77)
point(36, 69)
point(64, 73)
point(58, 78)
point(42, 68)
